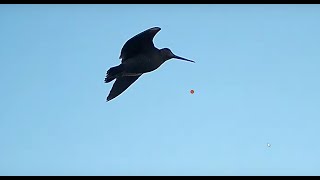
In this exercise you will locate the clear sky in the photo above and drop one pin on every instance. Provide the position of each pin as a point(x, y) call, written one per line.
point(256, 81)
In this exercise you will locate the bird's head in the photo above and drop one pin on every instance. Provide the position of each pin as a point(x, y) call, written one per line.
point(168, 54)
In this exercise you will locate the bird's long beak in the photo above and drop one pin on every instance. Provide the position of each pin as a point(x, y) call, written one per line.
point(181, 58)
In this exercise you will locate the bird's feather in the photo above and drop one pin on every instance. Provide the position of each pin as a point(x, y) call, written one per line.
point(138, 44)
point(120, 85)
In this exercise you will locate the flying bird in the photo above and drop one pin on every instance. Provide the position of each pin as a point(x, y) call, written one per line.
point(138, 56)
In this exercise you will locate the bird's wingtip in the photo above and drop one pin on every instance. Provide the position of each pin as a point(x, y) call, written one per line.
point(156, 28)
point(109, 98)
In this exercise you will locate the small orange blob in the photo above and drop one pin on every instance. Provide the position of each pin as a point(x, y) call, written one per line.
point(191, 91)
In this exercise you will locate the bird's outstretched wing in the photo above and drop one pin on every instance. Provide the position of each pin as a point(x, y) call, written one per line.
point(140, 43)
point(120, 85)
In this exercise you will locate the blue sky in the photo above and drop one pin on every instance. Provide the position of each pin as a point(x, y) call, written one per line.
point(256, 81)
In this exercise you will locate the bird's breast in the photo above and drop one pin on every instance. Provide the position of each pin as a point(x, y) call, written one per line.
point(142, 64)
point(131, 74)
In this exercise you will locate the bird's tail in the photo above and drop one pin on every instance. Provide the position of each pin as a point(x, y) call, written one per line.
point(113, 73)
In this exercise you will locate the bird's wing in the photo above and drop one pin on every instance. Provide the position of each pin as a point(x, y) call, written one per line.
point(120, 85)
point(139, 43)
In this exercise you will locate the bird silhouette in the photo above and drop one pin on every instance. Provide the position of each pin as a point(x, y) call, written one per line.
point(138, 56)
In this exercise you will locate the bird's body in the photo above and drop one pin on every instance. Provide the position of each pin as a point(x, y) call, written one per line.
point(139, 56)
point(144, 62)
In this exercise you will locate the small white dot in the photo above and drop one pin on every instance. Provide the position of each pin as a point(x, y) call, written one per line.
point(268, 145)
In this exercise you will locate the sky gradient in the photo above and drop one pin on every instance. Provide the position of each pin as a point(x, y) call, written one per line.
point(256, 81)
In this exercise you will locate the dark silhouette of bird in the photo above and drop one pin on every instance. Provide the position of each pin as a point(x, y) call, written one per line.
point(139, 56)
